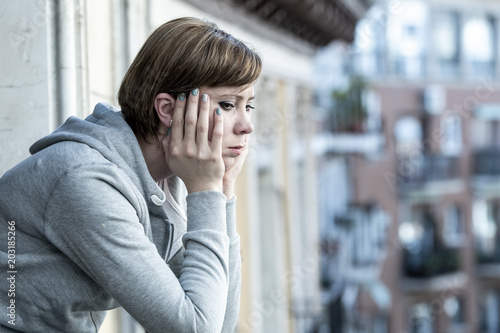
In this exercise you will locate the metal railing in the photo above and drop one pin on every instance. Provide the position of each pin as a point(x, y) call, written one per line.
point(492, 257)
point(424, 264)
point(428, 168)
point(487, 162)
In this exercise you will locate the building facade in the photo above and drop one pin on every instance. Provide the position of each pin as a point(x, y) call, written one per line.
point(62, 57)
point(424, 150)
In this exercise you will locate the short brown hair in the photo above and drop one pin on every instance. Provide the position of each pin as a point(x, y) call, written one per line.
point(181, 55)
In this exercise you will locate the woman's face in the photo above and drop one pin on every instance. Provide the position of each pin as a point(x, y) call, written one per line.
point(236, 106)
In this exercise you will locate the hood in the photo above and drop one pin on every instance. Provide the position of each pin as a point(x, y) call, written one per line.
point(106, 131)
point(100, 131)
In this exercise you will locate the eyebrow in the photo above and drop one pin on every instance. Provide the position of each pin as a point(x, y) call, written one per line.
point(238, 97)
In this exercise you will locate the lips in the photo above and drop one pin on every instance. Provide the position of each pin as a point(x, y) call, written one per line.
point(237, 150)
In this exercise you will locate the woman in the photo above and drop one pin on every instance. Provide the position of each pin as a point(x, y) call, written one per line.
point(100, 210)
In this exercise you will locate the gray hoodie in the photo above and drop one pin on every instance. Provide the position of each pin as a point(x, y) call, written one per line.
point(85, 229)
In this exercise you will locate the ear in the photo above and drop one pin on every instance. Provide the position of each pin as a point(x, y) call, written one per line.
point(164, 107)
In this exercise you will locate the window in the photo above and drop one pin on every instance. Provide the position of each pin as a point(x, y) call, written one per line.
point(380, 324)
point(485, 218)
point(408, 135)
point(369, 234)
point(489, 314)
point(486, 126)
point(406, 37)
point(363, 242)
point(446, 43)
point(486, 140)
point(368, 43)
point(481, 138)
point(479, 45)
point(434, 99)
point(373, 106)
point(365, 49)
point(417, 235)
point(451, 134)
point(453, 229)
point(420, 319)
point(380, 224)
point(454, 309)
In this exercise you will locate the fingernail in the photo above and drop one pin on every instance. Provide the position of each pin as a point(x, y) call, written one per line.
point(169, 129)
point(218, 111)
point(194, 92)
point(204, 97)
point(182, 97)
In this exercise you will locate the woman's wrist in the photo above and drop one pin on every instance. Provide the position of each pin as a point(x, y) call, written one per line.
point(204, 187)
point(228, 190)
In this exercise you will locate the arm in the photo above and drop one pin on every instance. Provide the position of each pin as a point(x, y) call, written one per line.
point(233, 298)
point(96, 219)
point(233, 301)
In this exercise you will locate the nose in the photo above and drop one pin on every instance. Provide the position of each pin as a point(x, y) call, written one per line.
point(244, 125)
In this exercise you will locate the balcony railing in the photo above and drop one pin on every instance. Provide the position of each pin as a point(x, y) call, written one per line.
point(426, 265)
point(429, 168)
point(487, 162)
point(492, 257)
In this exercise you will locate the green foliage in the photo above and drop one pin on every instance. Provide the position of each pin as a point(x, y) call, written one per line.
point(349, 111)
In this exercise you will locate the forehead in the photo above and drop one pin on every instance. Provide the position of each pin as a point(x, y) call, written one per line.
point(244, 92)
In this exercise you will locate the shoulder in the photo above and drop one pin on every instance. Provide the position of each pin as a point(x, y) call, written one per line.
point(75, 169)
point(95, 190)
point(41, 171)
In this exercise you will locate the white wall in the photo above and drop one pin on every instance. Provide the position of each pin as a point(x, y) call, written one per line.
point(43, 70)
point(24, 101)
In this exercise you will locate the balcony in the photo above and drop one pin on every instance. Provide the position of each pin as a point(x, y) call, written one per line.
point(424, 264)
point(487, 162)
point(434, 271)
point(490, 257)
point(429, 177)
point(488, 262)
point(428, 168)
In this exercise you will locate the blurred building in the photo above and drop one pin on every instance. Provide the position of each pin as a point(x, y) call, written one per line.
point(62, 57)
point(410, 159)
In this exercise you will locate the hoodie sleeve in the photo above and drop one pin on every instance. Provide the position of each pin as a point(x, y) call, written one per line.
point(93, 218)
point(234, 291)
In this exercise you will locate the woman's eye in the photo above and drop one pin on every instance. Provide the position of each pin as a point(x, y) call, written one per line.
point(226, 105)
point(250, 108)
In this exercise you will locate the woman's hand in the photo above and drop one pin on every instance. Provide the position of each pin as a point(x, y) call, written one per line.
point(232, 173)
point(188, 153)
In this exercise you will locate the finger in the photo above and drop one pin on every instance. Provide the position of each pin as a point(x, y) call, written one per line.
point(191, 117)
point(216, 143)
point(246, 148)
point(202, 125)
point(177, 131)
